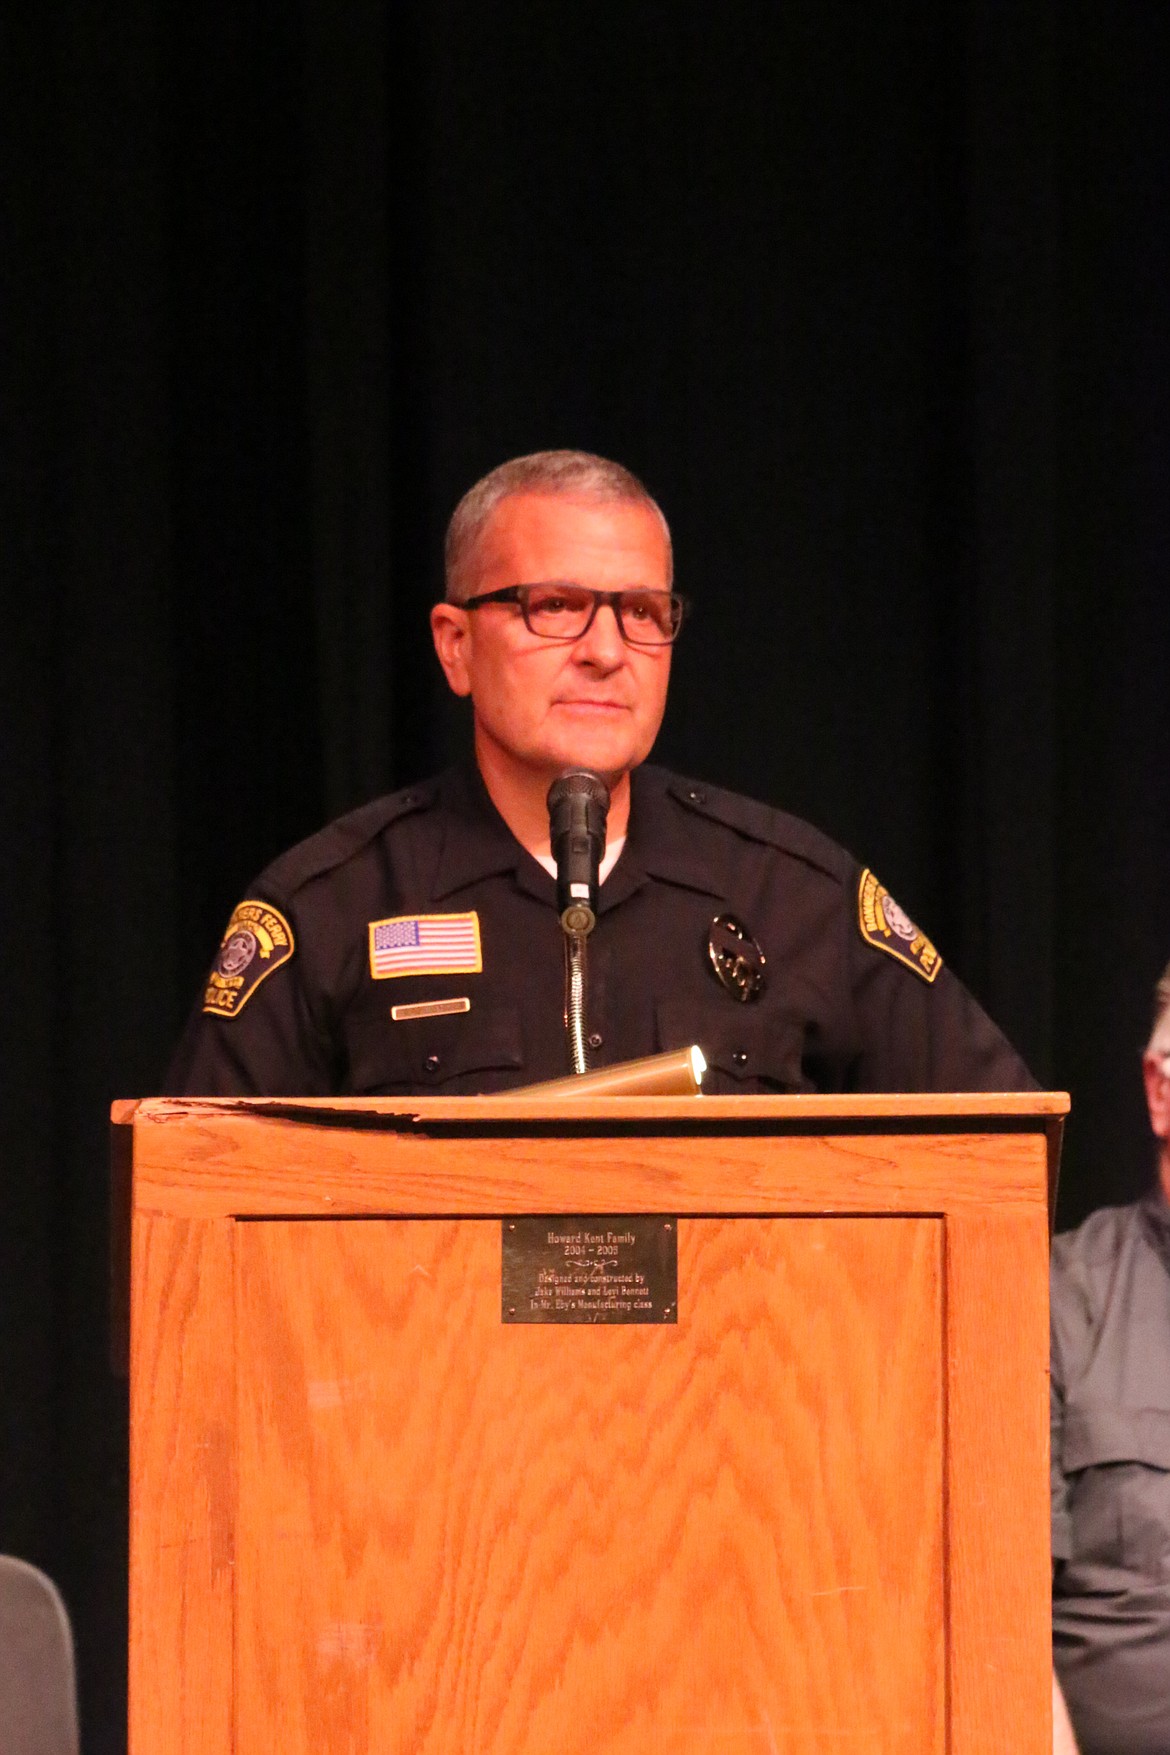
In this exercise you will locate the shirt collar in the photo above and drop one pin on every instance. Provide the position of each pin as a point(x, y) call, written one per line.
point(666, 839)
point(661, 841)
point(477, 842)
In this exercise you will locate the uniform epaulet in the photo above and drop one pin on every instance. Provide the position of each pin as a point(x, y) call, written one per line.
point(763, 823)
point(331, 846)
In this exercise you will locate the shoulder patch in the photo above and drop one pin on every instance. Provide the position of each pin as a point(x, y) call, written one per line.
point(888, 928)
point(257, 941)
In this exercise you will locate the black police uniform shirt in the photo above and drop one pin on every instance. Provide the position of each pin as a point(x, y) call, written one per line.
point(330, 972)
point(1111, 1477)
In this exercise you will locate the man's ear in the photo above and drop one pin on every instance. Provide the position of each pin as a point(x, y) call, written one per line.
point(1157, 1094)
point(451, 632)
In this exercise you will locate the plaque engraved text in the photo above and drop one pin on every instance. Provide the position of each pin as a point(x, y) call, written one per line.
point(596, 1268)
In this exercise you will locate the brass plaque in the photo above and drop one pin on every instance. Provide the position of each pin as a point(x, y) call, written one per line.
point(590, 1269)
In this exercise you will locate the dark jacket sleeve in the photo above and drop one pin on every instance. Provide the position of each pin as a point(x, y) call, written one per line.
point(274, 1045)
point(926, 1036)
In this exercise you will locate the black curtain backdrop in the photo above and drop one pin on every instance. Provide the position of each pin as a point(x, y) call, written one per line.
point(875, 300)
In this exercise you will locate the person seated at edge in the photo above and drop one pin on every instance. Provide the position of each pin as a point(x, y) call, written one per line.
point(414, 945)
point(1111, 1453)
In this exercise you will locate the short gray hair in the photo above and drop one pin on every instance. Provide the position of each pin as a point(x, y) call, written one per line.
point(1159, 1042)
point(578, 475)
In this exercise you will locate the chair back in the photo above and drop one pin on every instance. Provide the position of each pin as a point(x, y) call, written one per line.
point(38, 1684)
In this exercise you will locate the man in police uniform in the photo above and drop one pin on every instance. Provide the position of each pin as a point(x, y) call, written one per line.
point(1111, 1453)
point(415, 946)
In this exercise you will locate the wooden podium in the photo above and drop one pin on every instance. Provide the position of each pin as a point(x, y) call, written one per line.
point(374, 1509)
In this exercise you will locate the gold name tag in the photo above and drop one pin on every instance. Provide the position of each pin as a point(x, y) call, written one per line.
point(429, 1008)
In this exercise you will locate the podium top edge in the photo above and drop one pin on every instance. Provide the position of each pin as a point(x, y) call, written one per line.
point(1040, 1108)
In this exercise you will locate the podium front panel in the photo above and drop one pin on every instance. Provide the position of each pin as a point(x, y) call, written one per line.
point(462, 1535)
point(808, 1514)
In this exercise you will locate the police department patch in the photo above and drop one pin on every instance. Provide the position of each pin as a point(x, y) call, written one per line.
point(257, 941)
point(889, 928)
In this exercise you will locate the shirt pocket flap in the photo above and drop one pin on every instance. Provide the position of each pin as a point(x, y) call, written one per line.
point(747, 1045)
point(428, 1053)
point(1096, 1433)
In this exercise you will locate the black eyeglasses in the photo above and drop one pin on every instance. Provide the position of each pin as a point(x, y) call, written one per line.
point(561, 611)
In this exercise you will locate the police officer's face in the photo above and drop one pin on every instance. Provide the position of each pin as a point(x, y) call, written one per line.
point(541, 704)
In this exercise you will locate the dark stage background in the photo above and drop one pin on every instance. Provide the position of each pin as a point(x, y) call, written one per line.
point(875, 300)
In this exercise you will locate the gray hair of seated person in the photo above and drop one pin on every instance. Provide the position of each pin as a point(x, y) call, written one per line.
point(1159, 1042)
point(577, 475)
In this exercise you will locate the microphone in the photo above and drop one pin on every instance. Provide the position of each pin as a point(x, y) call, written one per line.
point(578, 803)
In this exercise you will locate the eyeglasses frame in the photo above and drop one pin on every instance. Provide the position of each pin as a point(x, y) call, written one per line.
point(601, 599)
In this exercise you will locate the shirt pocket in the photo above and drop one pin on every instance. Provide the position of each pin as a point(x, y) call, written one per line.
point(1117, 1462)
point(746, 1048)
point(460, 1054)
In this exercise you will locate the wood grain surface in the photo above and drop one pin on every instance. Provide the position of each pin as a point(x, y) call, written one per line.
point(458, 1536)
point(999, 1563)
point(208, 1162)
point(811, 1517)
point(1035, 1107)
point(182, 1487)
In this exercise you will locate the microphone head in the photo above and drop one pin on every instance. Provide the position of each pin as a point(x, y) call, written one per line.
point(579, 783)
point(578, 803)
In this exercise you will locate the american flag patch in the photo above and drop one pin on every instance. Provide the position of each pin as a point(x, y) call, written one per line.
point(425, 944)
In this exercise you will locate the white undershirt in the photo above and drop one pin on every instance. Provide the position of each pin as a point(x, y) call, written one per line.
point(613, 853)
